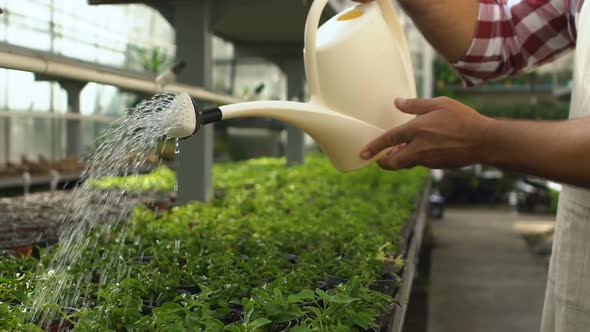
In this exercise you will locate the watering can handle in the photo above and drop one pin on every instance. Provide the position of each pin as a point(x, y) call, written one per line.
point(392, 19)
point(311, 31)
point(310, 52)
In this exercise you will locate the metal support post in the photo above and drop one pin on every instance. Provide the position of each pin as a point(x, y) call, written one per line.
point(73, 126)
point(192, 20)
point(294, 70)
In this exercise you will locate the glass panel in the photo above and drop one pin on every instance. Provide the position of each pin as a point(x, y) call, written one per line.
point(26, 94)
point(102, 99)
point(59, 138)
point(42, 131)
point(21, 138)
point(88, 136)
point(110, 35)
point(102, 34)
point(3, 88)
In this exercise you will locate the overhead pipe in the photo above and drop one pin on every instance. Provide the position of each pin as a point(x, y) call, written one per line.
point(51, 115)
point(42, 65)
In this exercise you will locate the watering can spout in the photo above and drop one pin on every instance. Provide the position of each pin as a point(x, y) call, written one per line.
point(340, 136)
point(186, 118)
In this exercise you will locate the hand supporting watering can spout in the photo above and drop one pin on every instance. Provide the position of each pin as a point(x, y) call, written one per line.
point(356, 64)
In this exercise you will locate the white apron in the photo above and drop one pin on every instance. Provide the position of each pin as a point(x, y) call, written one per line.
point(567, 301)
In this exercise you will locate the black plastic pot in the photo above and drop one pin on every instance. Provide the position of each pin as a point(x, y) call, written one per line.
point(148, 307)
point(333, 281)
point(234, 315)
point(37, 249)
point(142, 259)
point(390, 271)
point(385, 318)
point(95, 278)
point(292, 258)
point(188, 289)
point(387, 287)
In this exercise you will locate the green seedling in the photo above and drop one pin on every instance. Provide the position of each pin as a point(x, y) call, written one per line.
point(255, 254)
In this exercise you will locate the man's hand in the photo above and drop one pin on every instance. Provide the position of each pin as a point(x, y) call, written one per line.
point(446, 134)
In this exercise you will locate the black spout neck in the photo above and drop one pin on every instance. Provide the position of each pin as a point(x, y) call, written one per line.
point(195, 106)
point(206, 116)
point(210, 115)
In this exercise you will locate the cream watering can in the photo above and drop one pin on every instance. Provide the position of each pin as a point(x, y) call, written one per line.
point(356, 64)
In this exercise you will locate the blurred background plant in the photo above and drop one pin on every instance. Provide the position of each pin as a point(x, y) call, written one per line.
point(153, 60)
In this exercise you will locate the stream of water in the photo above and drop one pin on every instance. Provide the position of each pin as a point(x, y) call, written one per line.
point(122, 150)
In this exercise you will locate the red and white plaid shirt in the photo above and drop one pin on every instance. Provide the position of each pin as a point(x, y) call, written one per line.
point(513, 35)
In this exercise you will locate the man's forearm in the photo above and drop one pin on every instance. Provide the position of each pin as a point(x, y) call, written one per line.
point(449, 25)
point(558, 151)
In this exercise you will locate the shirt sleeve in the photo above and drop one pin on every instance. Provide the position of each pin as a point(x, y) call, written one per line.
point(514, 35)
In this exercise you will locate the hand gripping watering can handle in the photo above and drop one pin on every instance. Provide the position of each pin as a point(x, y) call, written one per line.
point(311, 31)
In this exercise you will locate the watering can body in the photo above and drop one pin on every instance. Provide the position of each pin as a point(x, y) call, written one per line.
point(356, 64)
point(363, 63)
